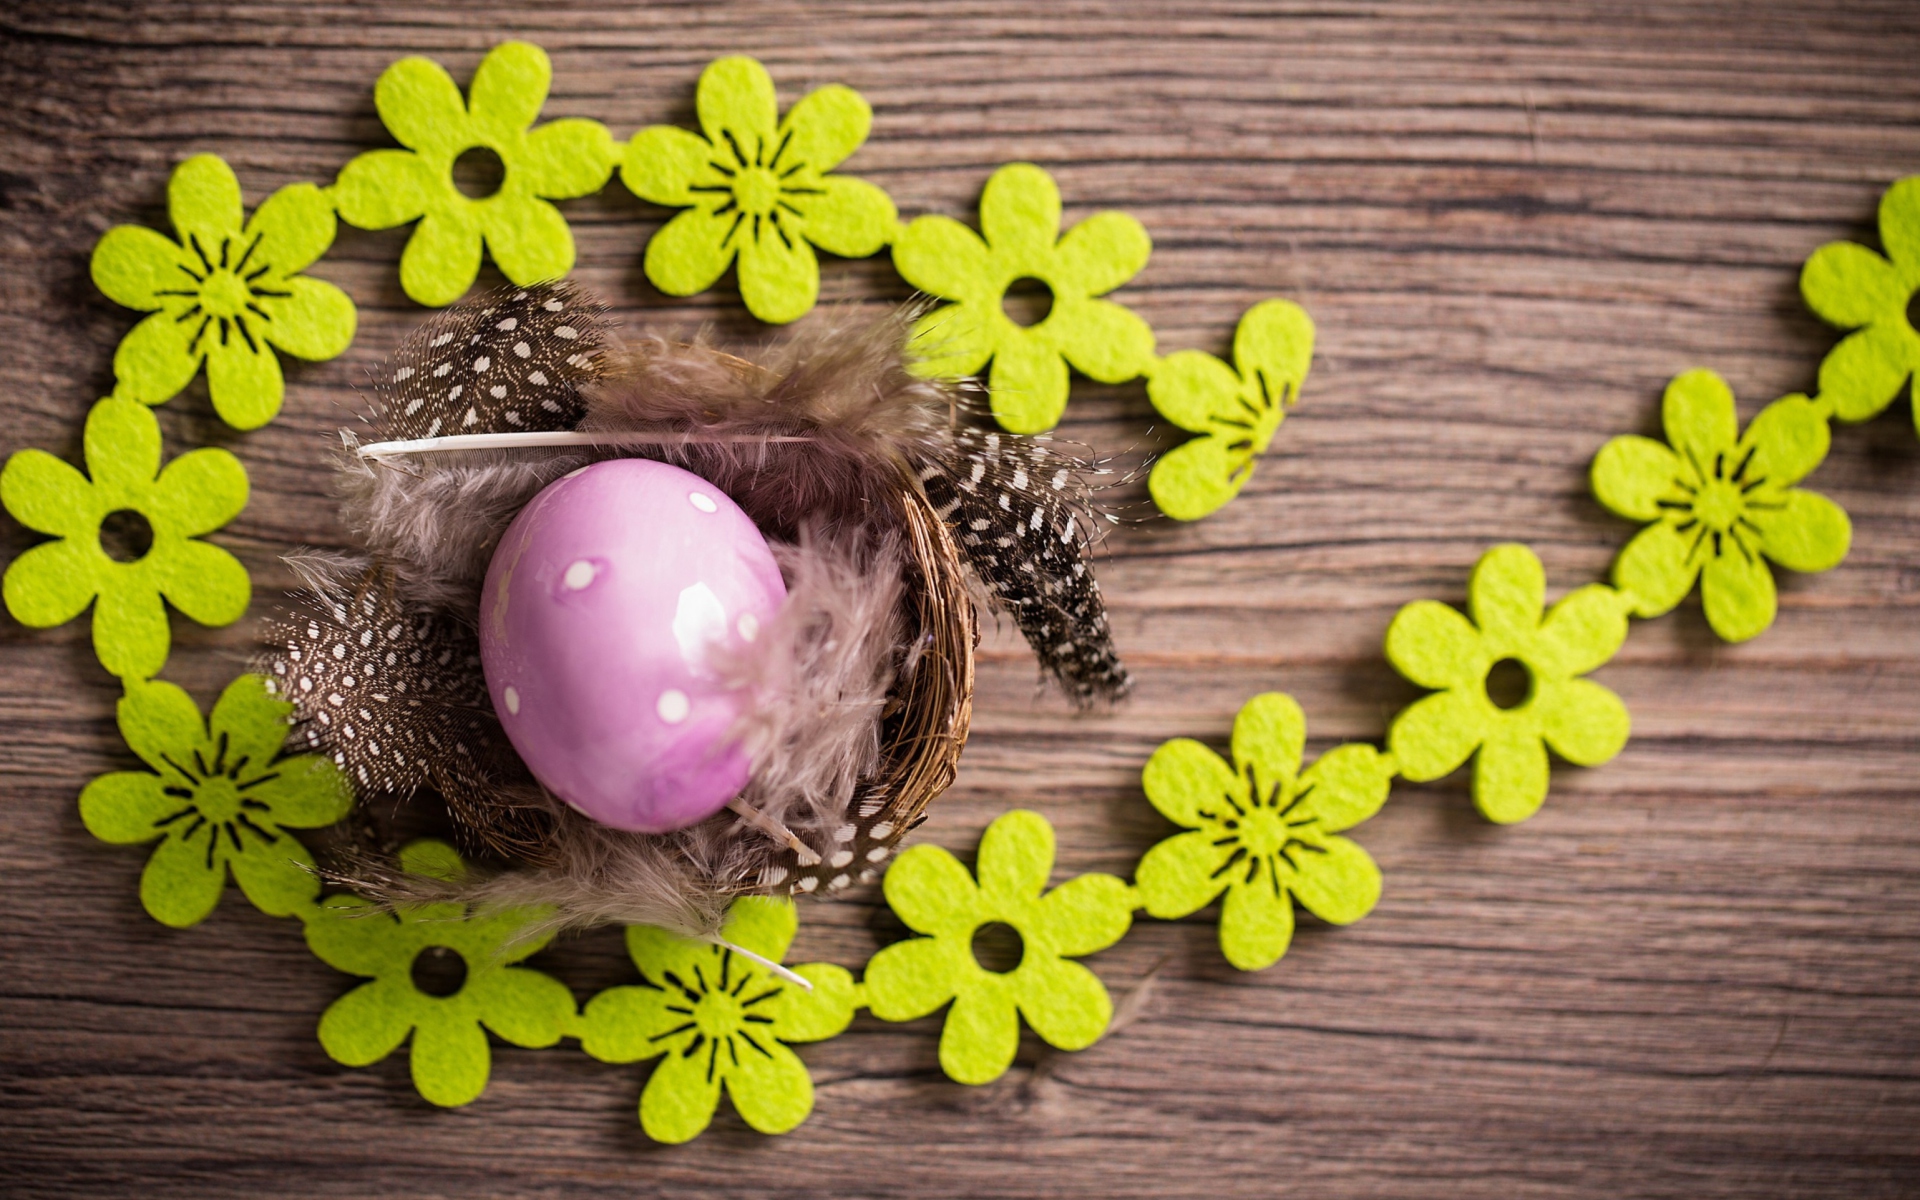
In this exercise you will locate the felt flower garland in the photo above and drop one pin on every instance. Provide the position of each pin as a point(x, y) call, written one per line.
point(220, 796)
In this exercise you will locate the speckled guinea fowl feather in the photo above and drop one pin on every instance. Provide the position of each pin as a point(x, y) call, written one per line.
point(1019, 512)
point(513, 359)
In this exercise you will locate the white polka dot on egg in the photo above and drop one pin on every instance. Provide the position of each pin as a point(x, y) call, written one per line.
point(673, 706)
point(578, 575)
point(749, 627)
point(512, 697)
point(703, 502)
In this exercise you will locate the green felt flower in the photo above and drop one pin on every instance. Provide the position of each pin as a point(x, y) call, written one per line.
point(450, 1059)
point(1063, 1001)
point(1721, 504)
point(53, 583)
point(220, 797)
point(528, 238)
point(1436, 647)
point(1237, 408)
point(758, 188)
point(720, 1019)
point(1852, 287)
point(1020, 221)
point(226, 294)
point(1262, 830)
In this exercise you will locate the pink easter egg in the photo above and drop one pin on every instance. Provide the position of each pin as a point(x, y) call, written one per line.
point(603, 604)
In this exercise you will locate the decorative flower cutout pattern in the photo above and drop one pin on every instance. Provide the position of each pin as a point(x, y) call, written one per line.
point(758, 188)
point(1237, 409)
point(1436, 647)
point(227, 293)
point(53, 583)
point(220, 798)
point(1020, 221)
point(720, 1019)
point(528, 238)
point(450, 1058)
point(1720, 504)
point(1262, 830)
point(1063, 1001)
point(1850, 286)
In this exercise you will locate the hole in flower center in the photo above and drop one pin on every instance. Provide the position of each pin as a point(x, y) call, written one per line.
point(1509, 683)
point(998, 947)
point(126, 536)
point(439, 971)
point(1028, 301)
point(478, 172)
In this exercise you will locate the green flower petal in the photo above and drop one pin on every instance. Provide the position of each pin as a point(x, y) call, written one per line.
point(689, 253)
point(910, 979)
point(159, 721)
point(1433, 736)
point(1101, 253)
point(368, 1023)
point(316, 322)
point(384, 188)
point(1340, 886)
point(1697, 410)
point(1811, 533)
point(1586, 724)
point(679, 1100)
point(1198, 478)
point(1863, 374)
point(1016, 856)
point(944, 258)
point(1065, 1003)
point(47, 494)
point(152, 363)
point(122, 807)
point(529, 239)
point(1274, 338)
point(815, 1016)
point(442, 258)
point(421, 107)
point(1505, 593)
point(295, 226)
point(1900, 226)
point(450, 1060)
point(1183, 777)
point(1102, 339)
point(203, 202)
point(197, 493)
point(1020, 217)
point(929, 890)
point(1345, 786)
point(1177, 876)
point(1270, 733)
point(825, 128)
point(1510, 774)
point(1084, 914)
point(1256, 925)
point(178, 888)
point(130, 634)
point(951, 343)
point(245, 382)
point(1738, 594)
point(763, 924)
point(279, 879)
point(121, 444)
point(1580, 633)
point(204, 582)
point(347, 938)
point(1655, 570)
point(1787, 440)
point(661, 162)
point(779, 280)
point(131, 264)
point(771, 1090)
point(508, 88)
point(1632, 474)
point(622, 1025)
point(1028, 384)
point(1190, 387)
point(432, 858)
point(852, 219)
point(568, 158)
point(735, 95)
point(1434, 646)
point(1849, 285)
point(52, 584)
point(981, 1035)
point(522, 1005)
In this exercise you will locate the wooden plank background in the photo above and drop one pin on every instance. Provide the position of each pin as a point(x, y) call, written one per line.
point(1696, 973)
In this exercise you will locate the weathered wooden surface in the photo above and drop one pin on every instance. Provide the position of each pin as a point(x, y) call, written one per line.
point(1696, 973)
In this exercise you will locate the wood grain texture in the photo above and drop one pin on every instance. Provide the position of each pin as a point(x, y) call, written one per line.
point(1695, 973)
